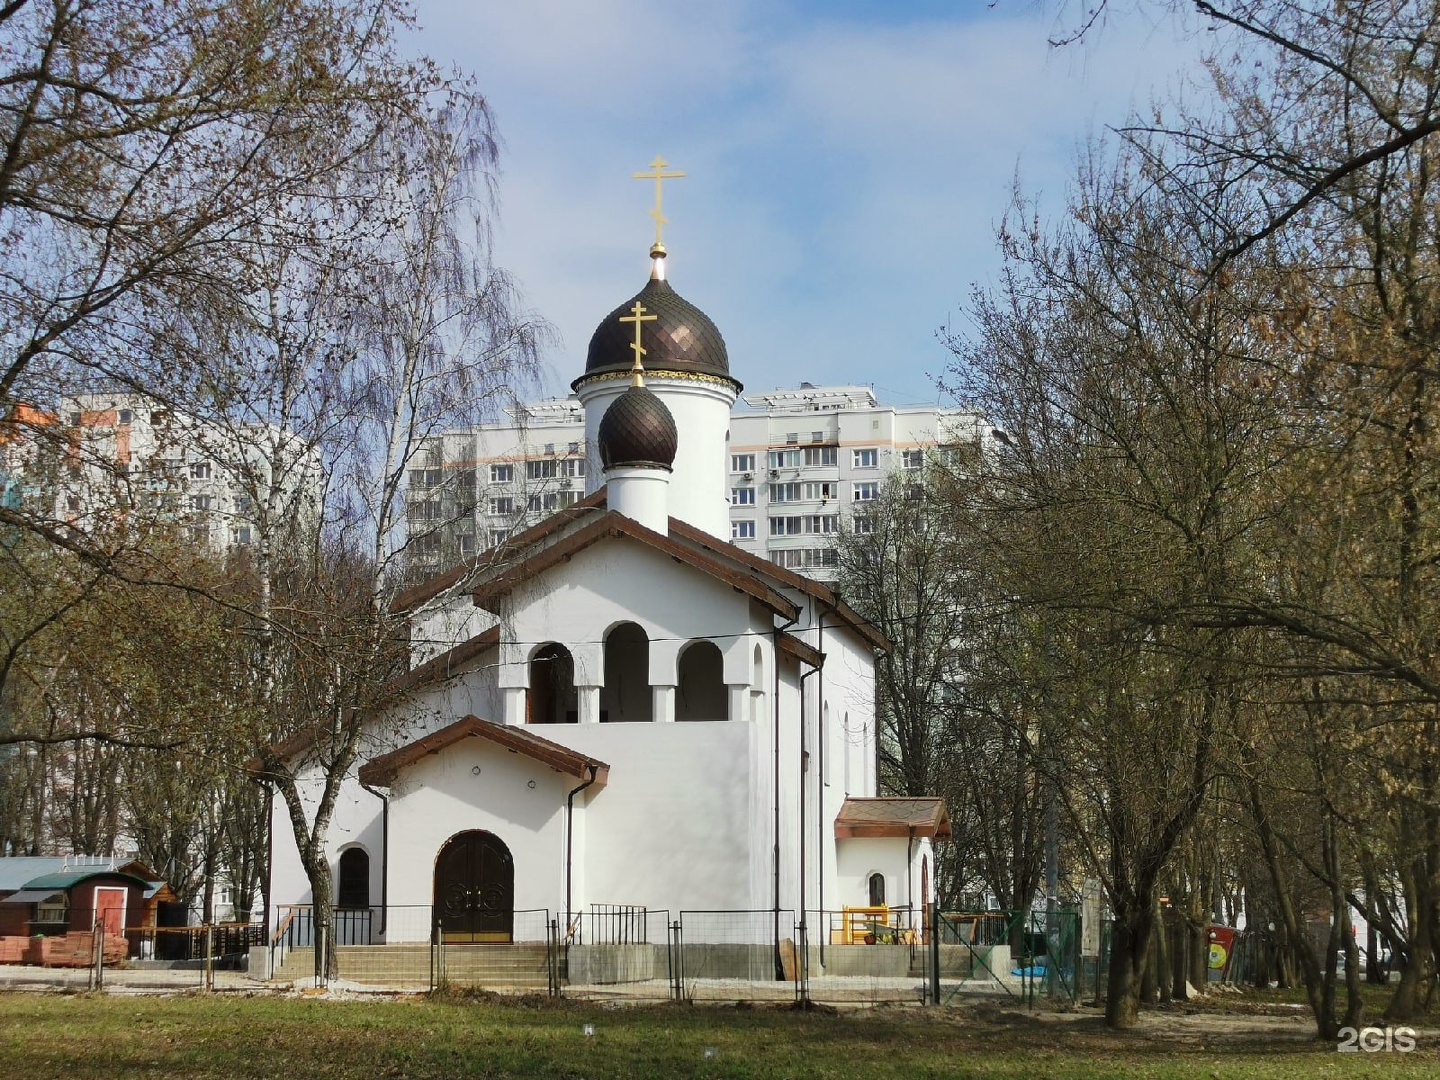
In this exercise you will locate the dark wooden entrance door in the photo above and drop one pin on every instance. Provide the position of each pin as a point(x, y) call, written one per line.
point(475, 888)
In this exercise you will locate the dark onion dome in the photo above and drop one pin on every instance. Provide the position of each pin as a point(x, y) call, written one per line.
point(637, 430)
point(681, 339)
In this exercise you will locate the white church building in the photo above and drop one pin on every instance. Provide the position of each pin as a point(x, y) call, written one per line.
point(620, 708)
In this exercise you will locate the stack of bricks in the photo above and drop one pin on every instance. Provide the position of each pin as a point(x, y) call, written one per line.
point(74, 950)
point(12, 949)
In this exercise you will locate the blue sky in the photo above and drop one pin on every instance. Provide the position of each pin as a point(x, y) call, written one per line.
point(847, 161)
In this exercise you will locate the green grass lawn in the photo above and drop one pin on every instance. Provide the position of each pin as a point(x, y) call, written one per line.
point(231, 1035)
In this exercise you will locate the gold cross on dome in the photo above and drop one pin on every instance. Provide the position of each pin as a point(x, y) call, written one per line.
point(659, 175)
point(639, 318)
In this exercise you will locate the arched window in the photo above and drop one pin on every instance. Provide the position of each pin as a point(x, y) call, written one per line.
point(551, 699)
point(849, 752)
point(877, 890)
point(353, 890)
point(757, 684)
point(701, 693)
point(827, 751)
point(627, 695)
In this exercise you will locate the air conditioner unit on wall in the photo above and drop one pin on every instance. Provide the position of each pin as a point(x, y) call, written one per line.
point(749, 476)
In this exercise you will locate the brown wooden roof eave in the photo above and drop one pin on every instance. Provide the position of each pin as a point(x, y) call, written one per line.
point(819, 590)
point(428, 590)
point(808, 654)
point(445, 666)
point(916, 816)
point(381, 771)
point(614, 524)
point(433, 671)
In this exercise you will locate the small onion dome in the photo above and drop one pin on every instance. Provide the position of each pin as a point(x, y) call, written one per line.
point(681, 338)
point(637, 430)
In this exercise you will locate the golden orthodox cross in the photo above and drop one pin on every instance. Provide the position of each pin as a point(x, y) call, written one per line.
point(639, 318)
point(659, 175)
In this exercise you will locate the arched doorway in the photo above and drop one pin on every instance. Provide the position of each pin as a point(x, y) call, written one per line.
point(475, 888)
point(701, 694)
point(552, 698)
point(627, 695)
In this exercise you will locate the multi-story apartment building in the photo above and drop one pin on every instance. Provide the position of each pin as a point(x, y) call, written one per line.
point(801, 462)
point(107, 457)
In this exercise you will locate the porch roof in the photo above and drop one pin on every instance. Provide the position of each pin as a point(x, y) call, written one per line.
point(922, 816)
point(381, 771)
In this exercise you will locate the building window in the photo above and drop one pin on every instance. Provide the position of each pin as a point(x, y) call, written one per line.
point(742, 496)
point(866, 492)
point(817, 436)
point(867, 458)
point(498, 536)
point(914, 492)
point(784, 459)
point(824, 524)
point(863, 524)
point(200, 504)
point(200, 470)
point(785, 526)
point(425, 510)
point(821, 491)
point(544, 469)
point(242, 535)
point(792, 438)
point(72, 503)
point(742, 463)
point(503, 505)
point(805, 558)
point(429, 544)
point(502, 474)
point(574, 448)
point(200, 534)
point(877, 890)
point(467, 544)
point(567, 498)
point(243, 504)
point(743, 529)
point(125, 416)
point(822, 455)
point(785, 492)
point(912, 459)
point(353, 890)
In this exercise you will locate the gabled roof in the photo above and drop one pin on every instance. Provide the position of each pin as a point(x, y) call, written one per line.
point(596, 501)
point(381, 771)
point(917, 816)
point(764, 567)
point(613, 524)
point(426, 591)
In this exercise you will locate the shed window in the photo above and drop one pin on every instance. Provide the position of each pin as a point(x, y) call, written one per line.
point(877, 890)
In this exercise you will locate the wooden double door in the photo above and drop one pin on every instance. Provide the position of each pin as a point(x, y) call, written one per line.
point(475, 889)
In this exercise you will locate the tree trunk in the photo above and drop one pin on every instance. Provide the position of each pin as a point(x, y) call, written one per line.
point(1129, 942)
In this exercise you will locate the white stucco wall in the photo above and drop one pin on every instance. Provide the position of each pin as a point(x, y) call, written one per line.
point(443, 794)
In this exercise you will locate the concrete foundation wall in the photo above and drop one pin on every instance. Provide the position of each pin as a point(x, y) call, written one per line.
point(586, 964)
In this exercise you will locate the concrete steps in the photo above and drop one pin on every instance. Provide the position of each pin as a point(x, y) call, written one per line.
point(499, 966)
